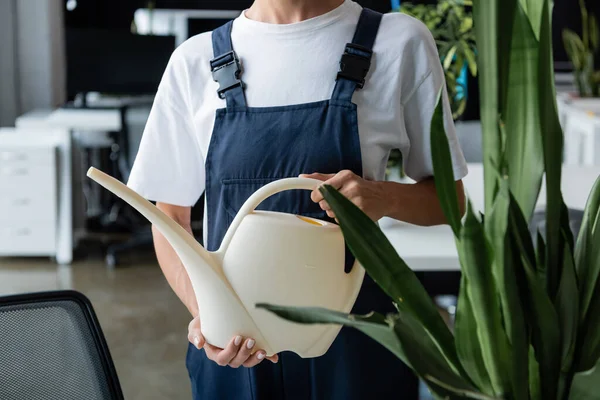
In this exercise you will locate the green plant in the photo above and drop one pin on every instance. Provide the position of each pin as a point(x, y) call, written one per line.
point(528, 317)
point(451, 25)
point(581, 52)
point(395, 162)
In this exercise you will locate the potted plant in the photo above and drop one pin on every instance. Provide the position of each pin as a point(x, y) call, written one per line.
point(451, 24)
point(581, 51)
point(528, 316)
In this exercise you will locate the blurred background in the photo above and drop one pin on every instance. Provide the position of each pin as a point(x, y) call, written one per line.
point(77, 79)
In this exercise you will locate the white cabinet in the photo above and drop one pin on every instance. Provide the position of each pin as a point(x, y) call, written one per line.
point(35, 199)
point(28, 200)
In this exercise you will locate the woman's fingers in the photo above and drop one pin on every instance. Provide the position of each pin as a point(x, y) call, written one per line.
point(237, 353)
point(316, 175)
point(243, 354)
point(224, 356)
point(337, 181)
point(254, 359)
point(195, 333)
point(324, 205)
point(274, 358)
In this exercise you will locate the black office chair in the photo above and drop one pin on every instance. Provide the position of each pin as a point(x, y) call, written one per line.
point(140, 237)
point(52, 348)
point(538, 223)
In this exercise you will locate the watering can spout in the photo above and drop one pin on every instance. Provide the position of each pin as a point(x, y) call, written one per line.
point(184, 244)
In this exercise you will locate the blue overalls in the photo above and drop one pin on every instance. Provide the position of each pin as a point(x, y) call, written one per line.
point(254, 146)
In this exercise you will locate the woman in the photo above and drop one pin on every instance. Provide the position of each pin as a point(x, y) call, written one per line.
point(319, 88)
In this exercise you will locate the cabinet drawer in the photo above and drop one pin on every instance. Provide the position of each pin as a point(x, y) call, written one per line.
point(24, 177)
point(27, 239)
point(17, 156)
point(27, 206)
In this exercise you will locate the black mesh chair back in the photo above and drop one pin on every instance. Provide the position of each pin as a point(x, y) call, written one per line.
point(538, 223)
point(52, 348)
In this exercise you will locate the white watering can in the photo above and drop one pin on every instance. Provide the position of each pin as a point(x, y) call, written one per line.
point(265, 257)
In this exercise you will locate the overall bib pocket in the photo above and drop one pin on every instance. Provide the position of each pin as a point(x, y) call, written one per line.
point(235, 191)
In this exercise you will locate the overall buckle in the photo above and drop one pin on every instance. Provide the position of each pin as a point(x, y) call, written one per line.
point(355, 64)
point(226, 70)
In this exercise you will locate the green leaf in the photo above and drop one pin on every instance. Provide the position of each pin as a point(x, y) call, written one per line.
point(506, 21)
point(449, 57)
point(586, 385)
point(584, 24)
point(445, 184)
point(587, 261)
point(506, 280)
point(590, 334)
point(423, 354)
point(403, 335)
point(523, 141)
point(535, 391)
point(379, 258)
point(487, 33)
point(539, 311)
point(587, 250)
point(594, 33)
point(574, 48)
point(541, 257)
point(565, 226)
point(552, 139)
point(373, 325)
point(467, 343)
point(466, 25)
point(520, 228)
point(456, 391)
point(471, 61)
point(567, 306)
point(534, 9)
point(476, 263)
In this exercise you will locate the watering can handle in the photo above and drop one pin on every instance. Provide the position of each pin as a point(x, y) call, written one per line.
point(275, 187)
point(262, 194)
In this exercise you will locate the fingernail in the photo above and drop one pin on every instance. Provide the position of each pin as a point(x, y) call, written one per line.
point(250, 343)
point(260, 356)
point(196, 340)
point(238, 340)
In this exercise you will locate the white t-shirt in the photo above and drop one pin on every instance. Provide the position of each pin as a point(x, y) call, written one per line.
point(286, 64)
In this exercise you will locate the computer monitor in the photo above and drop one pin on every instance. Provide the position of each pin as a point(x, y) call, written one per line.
point(179, 22)
point(115, 62)
point(196, 26)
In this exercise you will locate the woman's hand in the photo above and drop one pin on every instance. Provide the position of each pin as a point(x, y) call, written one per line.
point(237, 353)
point(367, 195)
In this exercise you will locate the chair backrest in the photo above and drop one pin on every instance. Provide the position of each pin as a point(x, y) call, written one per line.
point(52, 347)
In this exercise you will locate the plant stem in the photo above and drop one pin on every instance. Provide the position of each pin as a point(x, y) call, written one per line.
point(580, 85)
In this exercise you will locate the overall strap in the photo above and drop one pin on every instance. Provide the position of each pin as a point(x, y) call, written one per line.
point(356, 59)
point(226, 68)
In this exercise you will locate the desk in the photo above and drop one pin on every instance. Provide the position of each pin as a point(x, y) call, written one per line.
point(434, 248)
point(89, 127)
point(580, 120)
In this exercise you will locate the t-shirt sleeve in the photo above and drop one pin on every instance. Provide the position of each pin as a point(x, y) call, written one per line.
point(168, 167)
point(419, 106)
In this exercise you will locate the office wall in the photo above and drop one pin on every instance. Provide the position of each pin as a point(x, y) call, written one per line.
point(41, 53)
point(9, 99)
point(32, 65)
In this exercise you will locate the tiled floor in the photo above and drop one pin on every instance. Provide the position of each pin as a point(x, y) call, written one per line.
point(144, 323)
